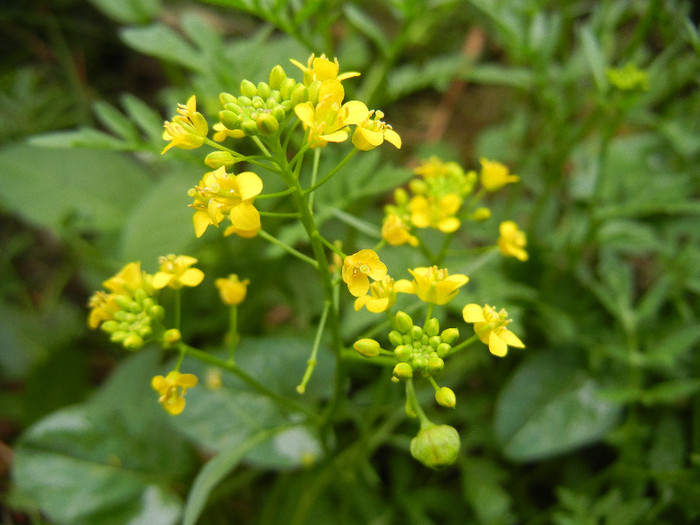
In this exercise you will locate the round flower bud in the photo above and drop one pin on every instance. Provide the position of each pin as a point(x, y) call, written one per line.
point(436, 446)
point(312, 91)
point(446, 397)
point(249, 127)
point(449, 335)
point(400, 196)
point(229, 119)
point(443, 349)
point(264, 90)
point(231, 106)
point(403, 371)
point(279, 113)
point(277, 76)
point(403, 322)
point(156, 313)
point(403, 352)
point(216, 159)
point(435, 364)
point(248, 89)
point(367, 347)
point(244, 101)
point(286, 88)
point(431, 327)
point(416, 332)
point(395, 338)
point(226, 98)
point(434, 341)
point(267, 124)
point(258, 102)
point(481, 214)
point(110, 326)
point(299, 94)
point(172, 336)
point(132, 342)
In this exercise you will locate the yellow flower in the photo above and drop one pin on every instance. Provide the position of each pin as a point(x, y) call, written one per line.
point(220, 194)
point(322, 69)
point(397, 231)
point(490, 326)
point(359, 267)
point(432, 285)
point(328, 121)
point(372, 132)
point(128, 280)
point(175, 272)
point(188, 129)
point(102, 308)
point(231, 289)
point(434, 168)
point(436, 211)
point(495, 175)
point(380, 298)
point(512, 241)
point(172, 389)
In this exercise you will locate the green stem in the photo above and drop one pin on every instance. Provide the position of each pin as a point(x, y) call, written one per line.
point(463, 344)
point(232, 332)
point(274, 195)
point(177, 314)
point(331, 246)
point(311, 362)
point(413, 400)
point(250, 381)
point(279, 215)
point(288, 248)
point(328, 175)
point(314, 175)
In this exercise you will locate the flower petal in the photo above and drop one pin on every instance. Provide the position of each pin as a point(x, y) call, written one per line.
point(497, 346)
point(510, 338)
point(473, 313)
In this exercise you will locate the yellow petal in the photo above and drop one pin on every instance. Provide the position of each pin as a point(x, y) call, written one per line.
point(249, 185)
point(337, 136)
point(174, 405)
point(392, 138)
point(201, 222)
point(245, 216)
point(361, 301)
point(378, 305)
point(358, 284)
point(365, 140)
point(159, 384)
point(161, 280)
point(497, 346)
point(473, 313)
point(191, 277)
point(404, 286)
point(187, 380)
point(305, 112)
point(356, 111)
point(510, 338)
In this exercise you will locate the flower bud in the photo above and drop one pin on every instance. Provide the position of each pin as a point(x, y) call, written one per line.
point(400, 196)
point(312, 91)
point(435, 364)
point(403, 352)
point(395, 338)
point(264, 90)
point(249, 127)
point(367, 347)
point(110, 326)
point(481, 214)
point(244, 101)
point(446, 397)
point(267, 124)
point(258, 102)
point(279, 113)
point(229, 119)
point(403, 371)
point(277, 76)
point(436, 446)
point(431, 327)
point(416, 332)
point(216, 159)
point(248, 89)
point(299, 94)
point(434, 341)
point(132, 342)
point(171, 337)
point(156, 313)
point(226, 98)
point(286, 88)
point(443, 349)
point(403, 322)
point(449, 335)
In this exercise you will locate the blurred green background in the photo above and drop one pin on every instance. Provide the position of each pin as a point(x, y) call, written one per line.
point(594, 104)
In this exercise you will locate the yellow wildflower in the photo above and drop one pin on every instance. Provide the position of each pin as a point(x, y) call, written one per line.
point(188, 129)
point(495, 175)
point(102, 308)
point(328, 121)
point(397, 231)
point(490, 326)
point(372, 132)
point(512, 241)
point(432, 285)
point(359, 267)
point(436, 211)
point(231, 289)
point(434, 168)
point(322, 69)
point(220, 194)
point(172, 389)
point(380, 298)
point(175, 272)
point(128, 280)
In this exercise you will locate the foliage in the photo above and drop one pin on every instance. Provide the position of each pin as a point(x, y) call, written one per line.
point(596, 421)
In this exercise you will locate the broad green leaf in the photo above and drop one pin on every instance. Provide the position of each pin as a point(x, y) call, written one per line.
point(89, 189)
point(87, 138)
point(160, 222)
point(159, 41)
point(549, 407)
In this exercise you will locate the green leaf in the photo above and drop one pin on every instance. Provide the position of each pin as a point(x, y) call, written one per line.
point(670, 391)
point(116, 122)
point(594, 57)
point(145, 117)
point(80, 138)
point(90, 188)
point(129, 11)
point(367, 26)
point(161, 222)
point(159, 41)
point(549, 407)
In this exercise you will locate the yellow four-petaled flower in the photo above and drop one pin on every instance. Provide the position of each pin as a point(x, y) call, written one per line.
point(175, 272)
point(359, 268)
point(490, 326)
point(172, 389)
point(231, 289)
point(432, 284)
point(512, 241)
point(188, 129)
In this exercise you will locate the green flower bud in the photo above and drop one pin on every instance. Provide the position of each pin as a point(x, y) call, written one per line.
point(403, 322)
point(449, 335)
point(446, 397)
point(140, 295)
point(267, 124)
point(216, 159)
point(249, 127)
point(264, 90)
point(110, 326)
point(419, 363)
point(403, 371)
point(277, 76)
point(481, 214)
point(145, 331)
point(279, 113)
point(257, 102)
point(233, 107)
point(416, 332)
point(299, 94)
point(400, 196)
point(286, 88)
point(248, 89)
point(133, 342)
point(225, 98)
point(119, 336)
point(403, 352)
point(286, 105)
point(275, 95)
point(432, 327)
point(367, 347)
point(443, 349)
point(244, 101)
point(395, 338)
point(124, 302)
point(156, 313)
point(435, 364)
point(313, 90)
point(436, 446)
point(434, 341)
point(171, 337)
point(229, 119)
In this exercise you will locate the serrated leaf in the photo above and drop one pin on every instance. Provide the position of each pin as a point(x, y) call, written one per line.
point(549, 407)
